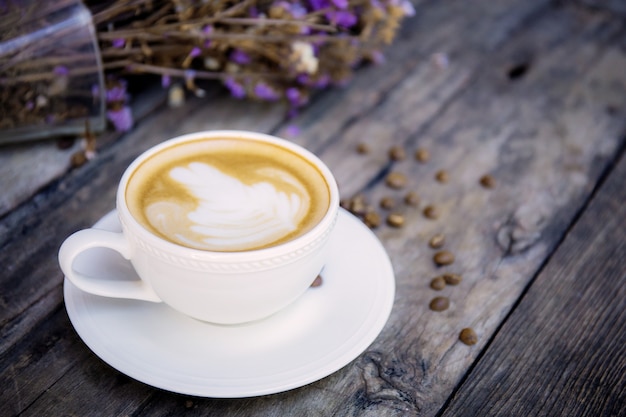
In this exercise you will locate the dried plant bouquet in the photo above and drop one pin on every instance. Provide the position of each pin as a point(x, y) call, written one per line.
point(258, 49)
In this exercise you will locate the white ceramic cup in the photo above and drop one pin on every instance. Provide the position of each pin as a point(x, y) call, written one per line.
point(218, 287)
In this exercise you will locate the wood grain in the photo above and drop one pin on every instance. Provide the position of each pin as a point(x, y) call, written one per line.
point(570, 346)
point(546, 135)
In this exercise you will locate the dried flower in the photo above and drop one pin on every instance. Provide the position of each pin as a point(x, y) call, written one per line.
point(118, 43)
point(236, 89)
point(278, 50)
point(265, 92)
point(240, 57)
point(121, 118)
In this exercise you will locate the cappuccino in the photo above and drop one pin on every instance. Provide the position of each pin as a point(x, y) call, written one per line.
point(227, 194)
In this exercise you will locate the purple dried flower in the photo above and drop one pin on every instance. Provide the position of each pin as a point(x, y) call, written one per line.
point(292, 131)
point(117, 93)
point(119, 43)
point(342, 18)
point(340, 4)
point(295, 97)
point(253, 11)
point(303, 79)
point(95, 90)
point(61, 70)
point(29, 105)
point(236, 89)
point(322, 82)
point(122, 119)
point(296, 10)
point(318, 4)
point(195, 51)
point(265, 92)
point(240, 57)
point(166, 80)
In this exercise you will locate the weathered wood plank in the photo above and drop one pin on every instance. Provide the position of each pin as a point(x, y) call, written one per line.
point(481, 121)
point(570, 346)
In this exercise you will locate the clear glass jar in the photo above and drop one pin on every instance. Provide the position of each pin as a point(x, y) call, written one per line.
point(51, 78)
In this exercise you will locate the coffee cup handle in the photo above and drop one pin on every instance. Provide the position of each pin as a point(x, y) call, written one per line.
point(96, 238)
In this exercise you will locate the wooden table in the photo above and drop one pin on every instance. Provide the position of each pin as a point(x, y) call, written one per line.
point(532, 92)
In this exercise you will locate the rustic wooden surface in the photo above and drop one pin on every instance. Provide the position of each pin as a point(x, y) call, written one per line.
point(569, 346)
point(534, 93)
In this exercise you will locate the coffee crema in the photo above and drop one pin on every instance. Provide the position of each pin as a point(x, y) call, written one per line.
point(227, 194)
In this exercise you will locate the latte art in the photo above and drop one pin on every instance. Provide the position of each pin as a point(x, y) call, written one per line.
point(227, 194)
point(231, 215)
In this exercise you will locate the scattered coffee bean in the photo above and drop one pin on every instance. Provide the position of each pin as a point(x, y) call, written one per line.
point(422, 155)
point(371, 219)
point(345, 203)
point(362, 148)
point(437, 241)
point(439, 303)
point(443, 258)
point(358, 205)
point(431, 212)
point(487, 181)
point(78, 158)
point(396, 180)
point(442, 176)
point(395, 220)
point(397, 153)
point(452, 279)
point(438, 283)
point(468, 336)
point(387, 203)
point(317, 281)
point(412, 198)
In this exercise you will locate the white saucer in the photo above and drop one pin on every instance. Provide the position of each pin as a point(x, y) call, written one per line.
point(320, 333)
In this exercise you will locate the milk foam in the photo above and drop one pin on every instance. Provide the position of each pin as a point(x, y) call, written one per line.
point(230, 214)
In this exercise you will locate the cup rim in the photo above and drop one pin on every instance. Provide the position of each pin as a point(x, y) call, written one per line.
point(146, 236)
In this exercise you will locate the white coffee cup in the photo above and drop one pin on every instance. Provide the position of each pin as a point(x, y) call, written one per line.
point(220, 286)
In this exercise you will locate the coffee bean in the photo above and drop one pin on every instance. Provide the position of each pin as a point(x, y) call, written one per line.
point(397, 153)
point(387, 203)
point(468, 336)
point(443, 258)
point(431, 212)
point(358, 205)
point(395, 220)
point(439, 303)
point(442, 176)
point(438, 283)
point(422, 155)
point(78, 158)
point(487, 181)
point(437, 241)
point(452, 279)
point(412, 198)
point(396, 180)
point(317, 281)
point(372, 219)
point(362, 148)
